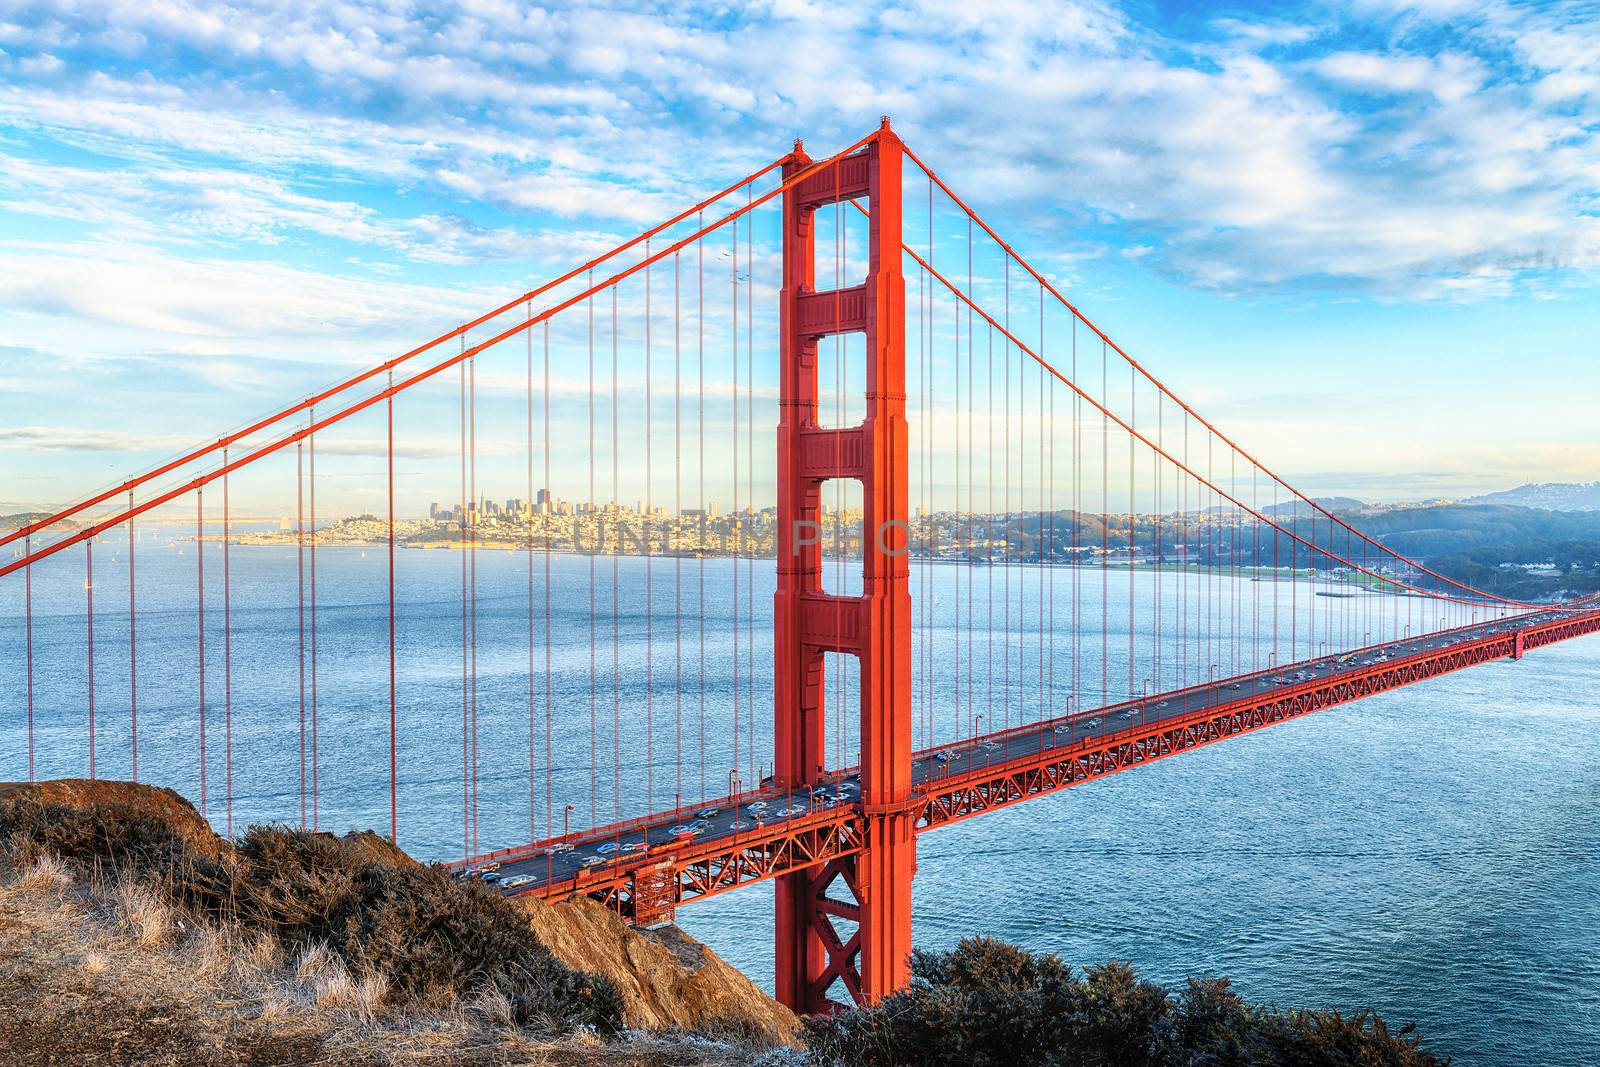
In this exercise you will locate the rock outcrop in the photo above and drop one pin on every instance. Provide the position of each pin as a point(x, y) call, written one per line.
point(667, 979)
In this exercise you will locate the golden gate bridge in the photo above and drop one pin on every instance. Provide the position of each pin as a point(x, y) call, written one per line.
point(1094, 576)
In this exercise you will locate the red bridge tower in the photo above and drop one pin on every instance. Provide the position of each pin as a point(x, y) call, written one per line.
point(872, 889)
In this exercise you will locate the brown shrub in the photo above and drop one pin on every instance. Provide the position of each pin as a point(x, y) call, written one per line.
point(990, 1004)
point(429, 941)
point(434, 941)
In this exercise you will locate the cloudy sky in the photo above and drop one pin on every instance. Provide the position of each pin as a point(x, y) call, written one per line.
point(1364, 237)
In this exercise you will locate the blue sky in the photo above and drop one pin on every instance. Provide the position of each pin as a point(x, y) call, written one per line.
point(1364, 237)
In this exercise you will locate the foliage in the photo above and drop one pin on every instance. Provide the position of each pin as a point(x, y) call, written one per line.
point(86, 836)
point(432, 940)
point(991, 1004)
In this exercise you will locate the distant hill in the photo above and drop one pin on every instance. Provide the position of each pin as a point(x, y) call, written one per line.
point(1528, 553)
point(1292, 508)
point(1550, 496)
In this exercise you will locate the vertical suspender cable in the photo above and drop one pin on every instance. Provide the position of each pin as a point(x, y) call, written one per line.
point(1105, 532)
point(227, 649)
point(1041, 545)
point(316, 762)
point(749, 470)
point(1294, 580)
point(1077, 525)
point(529, 509)
point(549, 651)
point(960, 515)
point(27, 613)
point(300, 591)
point(88, 593)
point(970, 726)
point(133, 654)
point(200, 592)
point(734, 517)
point(930, 501)
point(1156, 536)
point(472, 555)
point(394, 754)
point(1133, 420)
point(594, 682)
point(700, 320)
point(461, 549)
point(1005, 687)
point(1052, 555)
point(1186, 532)
point(616, 581)
point(677, 523)
point(925, 576)
point(989, 634)
point(649, 553)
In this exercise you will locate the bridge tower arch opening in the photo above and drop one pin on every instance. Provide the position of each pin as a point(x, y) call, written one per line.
point(847, 921)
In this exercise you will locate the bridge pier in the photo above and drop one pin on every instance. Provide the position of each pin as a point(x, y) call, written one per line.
point(871, 889)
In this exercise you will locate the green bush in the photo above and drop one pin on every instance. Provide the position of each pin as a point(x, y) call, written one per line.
point(990, 1004)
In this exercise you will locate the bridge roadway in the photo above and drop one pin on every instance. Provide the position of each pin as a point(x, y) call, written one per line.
point(646, 867)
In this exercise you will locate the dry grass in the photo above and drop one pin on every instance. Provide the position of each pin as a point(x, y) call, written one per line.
point(45, 874)
point(102, 964)
point(325, 980)
point(143, 916)
point(495, 1009)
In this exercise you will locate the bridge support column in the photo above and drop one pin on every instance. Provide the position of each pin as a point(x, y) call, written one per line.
point(813, 950)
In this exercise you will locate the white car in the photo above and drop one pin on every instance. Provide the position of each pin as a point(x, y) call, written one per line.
point(518, 882)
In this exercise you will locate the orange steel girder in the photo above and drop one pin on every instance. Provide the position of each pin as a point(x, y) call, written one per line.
point(876, 626)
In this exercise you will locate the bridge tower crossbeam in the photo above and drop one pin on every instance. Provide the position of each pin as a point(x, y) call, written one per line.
point(870, 890)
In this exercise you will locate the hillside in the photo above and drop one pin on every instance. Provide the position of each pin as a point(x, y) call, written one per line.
point(1519, 552)
point(1550, 496)
point(132, 934)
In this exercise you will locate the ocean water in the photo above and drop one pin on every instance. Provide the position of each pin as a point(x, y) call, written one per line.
point(1433, 854)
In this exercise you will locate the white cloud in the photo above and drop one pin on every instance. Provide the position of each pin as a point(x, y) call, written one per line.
point(177, 297)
